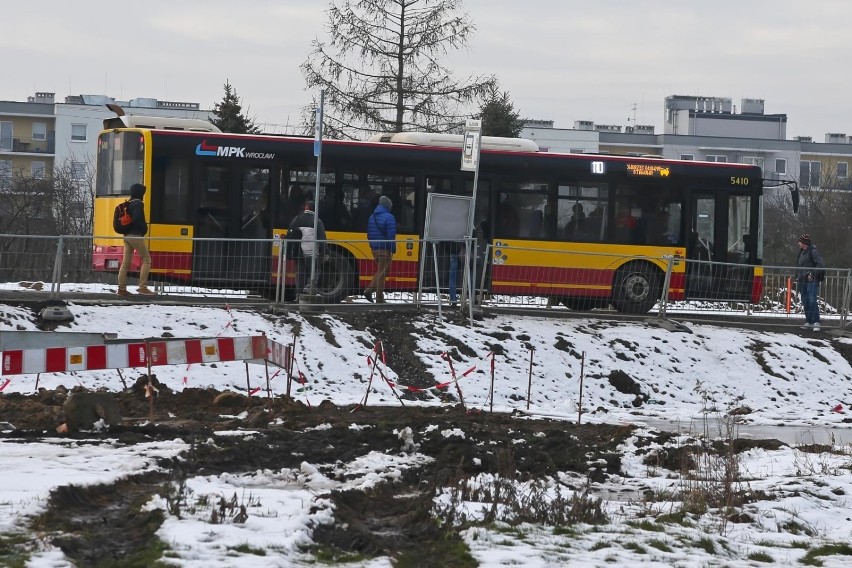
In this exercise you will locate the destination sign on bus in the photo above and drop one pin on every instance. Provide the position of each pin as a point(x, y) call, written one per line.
point(648, 170)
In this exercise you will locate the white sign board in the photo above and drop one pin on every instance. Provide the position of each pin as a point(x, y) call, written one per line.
point(447, 216)
point(470, 145)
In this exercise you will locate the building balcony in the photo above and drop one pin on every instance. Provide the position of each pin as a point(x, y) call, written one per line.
point(27, 146)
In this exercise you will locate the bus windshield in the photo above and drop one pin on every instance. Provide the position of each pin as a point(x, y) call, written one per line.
point(120, 162)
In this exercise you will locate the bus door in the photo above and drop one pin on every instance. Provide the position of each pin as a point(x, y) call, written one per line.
point(718, 247)
point(701, 248)
point(233, 207)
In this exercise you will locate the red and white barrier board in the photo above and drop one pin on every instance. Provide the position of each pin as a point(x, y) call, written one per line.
point(128, 355)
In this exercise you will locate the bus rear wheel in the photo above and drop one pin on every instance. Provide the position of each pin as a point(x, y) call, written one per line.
point(637, 288)
point(337, 277)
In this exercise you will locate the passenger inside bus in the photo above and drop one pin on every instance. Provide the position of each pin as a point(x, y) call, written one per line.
point(507, 219)
point(333, 211)
point(576, 225)
point(626, 225)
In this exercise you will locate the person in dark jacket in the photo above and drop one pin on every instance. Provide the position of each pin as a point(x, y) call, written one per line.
point(809, 272)
point(381, 232)
point(134, 240)
point(305, 222)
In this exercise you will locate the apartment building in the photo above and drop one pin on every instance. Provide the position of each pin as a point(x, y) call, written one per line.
point(27, 137)
point(713, 129)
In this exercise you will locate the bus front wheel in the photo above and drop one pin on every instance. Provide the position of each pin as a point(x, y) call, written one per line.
point(637, 288)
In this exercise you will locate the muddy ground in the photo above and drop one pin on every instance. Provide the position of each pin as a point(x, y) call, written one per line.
point(105, 525)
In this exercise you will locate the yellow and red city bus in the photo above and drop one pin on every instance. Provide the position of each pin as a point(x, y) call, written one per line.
point(576, 228)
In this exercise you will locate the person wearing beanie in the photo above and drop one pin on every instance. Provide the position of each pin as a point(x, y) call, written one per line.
point(810, 271)
point(381, 232)
point(134, 240)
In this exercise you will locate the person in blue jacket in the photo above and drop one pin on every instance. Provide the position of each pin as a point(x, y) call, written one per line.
point(381, 232)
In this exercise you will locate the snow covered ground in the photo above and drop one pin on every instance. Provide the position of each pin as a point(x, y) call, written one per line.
point(796, 385)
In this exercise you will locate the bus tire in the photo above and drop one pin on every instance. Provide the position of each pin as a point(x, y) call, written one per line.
point(636, 288)
point(337, 277)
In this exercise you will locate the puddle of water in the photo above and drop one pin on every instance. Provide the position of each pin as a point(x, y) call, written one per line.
point(791, 434)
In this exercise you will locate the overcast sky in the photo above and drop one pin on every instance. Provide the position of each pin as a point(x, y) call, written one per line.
point(561, 60)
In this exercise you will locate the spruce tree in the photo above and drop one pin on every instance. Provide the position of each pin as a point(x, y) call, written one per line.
point(499, 117)
point(229, 114)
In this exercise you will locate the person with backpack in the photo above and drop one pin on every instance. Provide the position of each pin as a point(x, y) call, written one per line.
point(810, 272)
point(381, 232)
point(303, 225)
point(134, 231)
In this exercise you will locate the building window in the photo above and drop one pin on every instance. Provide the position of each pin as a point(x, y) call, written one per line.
point(753, 161)
point(78, 132)
point(39, 131)
point(5, 135)
point(37, 170)
point(78, 171)
point(842, 170)
point(809, 173)
point(781, 166)
point(5, 174)
point(687, 156)
point(720, 159)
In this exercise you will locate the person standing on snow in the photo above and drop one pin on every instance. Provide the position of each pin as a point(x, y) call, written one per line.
point(809, 274)
point(381, 232)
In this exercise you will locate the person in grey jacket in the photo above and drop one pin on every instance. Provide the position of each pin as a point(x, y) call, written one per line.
point(309, 241)
point(809, 273)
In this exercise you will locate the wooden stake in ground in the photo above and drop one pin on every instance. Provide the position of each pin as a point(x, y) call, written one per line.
point(150, 387)
point(491, 394)
point(529, 385)
point(580, 402)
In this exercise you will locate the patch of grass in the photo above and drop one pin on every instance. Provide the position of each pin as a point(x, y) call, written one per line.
point(600, 545)
point(646, 525)
point(455, 554)
point(838, 549)
point(564, 531)
point(659, 545)
point(149, 557)
point(796, 528)
point(334, 556)
point(706, 544)
point(801, 544)
point(14, 550)
point(635, 547)
point(761, 557)
point(676, 518)
point(246, 549)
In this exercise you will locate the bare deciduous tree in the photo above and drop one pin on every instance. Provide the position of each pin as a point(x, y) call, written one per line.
point(824, 213)
point(58, 204)
point(381, 71)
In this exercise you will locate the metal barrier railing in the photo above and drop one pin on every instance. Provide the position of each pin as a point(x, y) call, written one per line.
point(265, 270)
